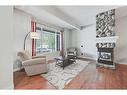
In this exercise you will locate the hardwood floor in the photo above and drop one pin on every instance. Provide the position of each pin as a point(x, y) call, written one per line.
point(22, 81)
point(100, 78)
point(90, 78)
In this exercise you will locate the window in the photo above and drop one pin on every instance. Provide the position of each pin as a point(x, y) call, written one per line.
point(49, 41)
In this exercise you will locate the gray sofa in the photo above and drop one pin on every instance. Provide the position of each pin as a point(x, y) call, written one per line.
point(33, 65)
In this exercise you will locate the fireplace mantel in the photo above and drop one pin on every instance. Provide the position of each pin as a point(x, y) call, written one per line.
point(112, 39)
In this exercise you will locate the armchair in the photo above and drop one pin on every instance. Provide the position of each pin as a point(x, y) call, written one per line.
point(33, 65)
point(71, 53)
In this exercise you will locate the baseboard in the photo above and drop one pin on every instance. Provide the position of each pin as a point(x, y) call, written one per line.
point(17, 69)
point(88, 58)
point(124, 63)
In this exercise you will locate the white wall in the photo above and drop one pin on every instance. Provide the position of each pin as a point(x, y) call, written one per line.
point(67, 39)
point(6, 47)
point(85, 37)
point(22, 25)
point(120, 52)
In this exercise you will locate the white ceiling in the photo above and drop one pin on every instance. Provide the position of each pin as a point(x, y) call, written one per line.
point(43, 15)
point(84, 15)
point(69, 16)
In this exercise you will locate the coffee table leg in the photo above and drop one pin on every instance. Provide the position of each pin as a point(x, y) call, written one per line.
point(56, 63)
point(63, 65)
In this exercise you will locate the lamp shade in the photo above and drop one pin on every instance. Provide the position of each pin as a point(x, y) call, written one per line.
point(34, 35)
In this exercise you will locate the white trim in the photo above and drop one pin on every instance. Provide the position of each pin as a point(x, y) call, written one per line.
point(47, 27)
point(87, 58)
point(124, 63)
point(17, 69)
point(55, 41)
point(60, 42)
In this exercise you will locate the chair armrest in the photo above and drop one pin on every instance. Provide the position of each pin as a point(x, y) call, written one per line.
point(34, 61)
point(39, 56)
point(75, 52)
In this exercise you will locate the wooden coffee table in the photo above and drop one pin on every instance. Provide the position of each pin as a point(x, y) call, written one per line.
point(63, 61)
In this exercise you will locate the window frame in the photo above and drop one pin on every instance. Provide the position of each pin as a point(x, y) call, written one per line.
point(58, 44)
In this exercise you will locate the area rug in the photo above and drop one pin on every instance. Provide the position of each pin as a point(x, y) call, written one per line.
point(59, 77)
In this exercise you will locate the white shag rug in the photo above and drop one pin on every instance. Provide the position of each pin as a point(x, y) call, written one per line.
point(59, 77)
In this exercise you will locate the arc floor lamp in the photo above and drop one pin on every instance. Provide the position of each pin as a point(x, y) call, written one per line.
point(33, 35)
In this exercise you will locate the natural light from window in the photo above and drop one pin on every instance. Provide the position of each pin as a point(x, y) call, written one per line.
point(49, 41)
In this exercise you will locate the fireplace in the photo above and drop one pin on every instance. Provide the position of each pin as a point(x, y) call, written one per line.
point(105, 56)
point(105, 38)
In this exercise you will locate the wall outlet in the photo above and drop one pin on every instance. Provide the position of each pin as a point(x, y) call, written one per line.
point(81, 45)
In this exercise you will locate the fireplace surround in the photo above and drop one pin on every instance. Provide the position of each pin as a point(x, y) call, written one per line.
point(105, 38)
